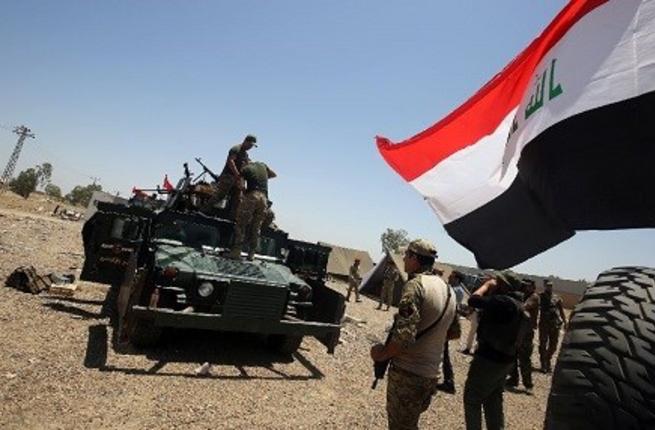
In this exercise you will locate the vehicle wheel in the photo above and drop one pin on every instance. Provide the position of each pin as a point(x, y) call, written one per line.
point(284, 344)
point(605, 375)
point(144, 333)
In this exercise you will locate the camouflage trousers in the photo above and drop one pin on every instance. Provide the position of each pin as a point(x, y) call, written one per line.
point(353, 285)
point(386, 295)
point(250, 217)
point(408, 396)
point(225, 186)
point(548, 339)
point(523, 362)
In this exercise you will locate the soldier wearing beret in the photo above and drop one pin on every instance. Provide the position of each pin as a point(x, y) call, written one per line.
point(418, 336)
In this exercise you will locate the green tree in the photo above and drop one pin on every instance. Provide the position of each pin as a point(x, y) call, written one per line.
point(81, 196)
point(43, 173)
point(53, 191)
point(394, 239)
point(25, 183)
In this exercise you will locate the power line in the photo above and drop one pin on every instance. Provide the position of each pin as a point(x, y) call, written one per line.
point(22, 132)
point(65, 164)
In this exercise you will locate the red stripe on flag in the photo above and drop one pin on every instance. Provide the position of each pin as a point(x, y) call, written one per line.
point(481, 114)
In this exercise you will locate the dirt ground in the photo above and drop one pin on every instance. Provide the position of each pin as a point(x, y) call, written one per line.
point(59, 368)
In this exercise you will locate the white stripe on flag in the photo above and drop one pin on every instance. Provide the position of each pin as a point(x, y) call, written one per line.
point(469, 178)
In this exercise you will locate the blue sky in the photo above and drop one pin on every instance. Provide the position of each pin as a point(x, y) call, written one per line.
point(128, 91)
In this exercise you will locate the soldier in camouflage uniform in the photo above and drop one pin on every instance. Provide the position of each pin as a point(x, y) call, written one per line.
point(253, 210)
point(414, 370)
point(354, 278)
point(524, 353)
point(230, 181)
point(391, 276)
point(551, 319)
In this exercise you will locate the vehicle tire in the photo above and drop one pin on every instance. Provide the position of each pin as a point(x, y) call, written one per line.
point(284, 344)
point(144, 334)
point(605, 375)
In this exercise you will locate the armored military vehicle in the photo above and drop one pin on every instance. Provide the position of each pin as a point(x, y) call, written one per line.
point(171, 268)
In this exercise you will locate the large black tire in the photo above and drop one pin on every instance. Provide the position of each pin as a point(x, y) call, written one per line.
point(284, 344)
point(605, 375)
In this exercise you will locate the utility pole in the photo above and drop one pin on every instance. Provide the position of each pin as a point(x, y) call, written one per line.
point(22, 132)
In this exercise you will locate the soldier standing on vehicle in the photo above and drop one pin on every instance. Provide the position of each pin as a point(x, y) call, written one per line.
point(524, 353)
point(417, 338)
point(388, 283)
point(501, 322)
point(253, 209)
point(230, 181)
point(354, 278)
point(551, 319)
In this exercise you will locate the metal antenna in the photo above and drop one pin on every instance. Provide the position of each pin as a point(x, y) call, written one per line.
point(22, 133)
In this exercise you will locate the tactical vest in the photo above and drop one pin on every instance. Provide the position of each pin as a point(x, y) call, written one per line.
point(506, 337)
point(424, 356)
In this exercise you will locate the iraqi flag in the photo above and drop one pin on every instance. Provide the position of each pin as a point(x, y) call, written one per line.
point(562, 139)
point(167, 184)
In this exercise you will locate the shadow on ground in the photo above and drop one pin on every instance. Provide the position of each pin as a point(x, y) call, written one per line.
point(237, 350)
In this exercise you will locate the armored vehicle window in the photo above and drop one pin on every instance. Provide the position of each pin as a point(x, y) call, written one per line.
point(187, 233)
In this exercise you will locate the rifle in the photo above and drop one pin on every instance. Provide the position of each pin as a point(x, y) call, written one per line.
point(207, 169)
point(380, 367)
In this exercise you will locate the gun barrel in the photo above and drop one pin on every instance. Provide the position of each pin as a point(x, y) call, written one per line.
point(207, 169)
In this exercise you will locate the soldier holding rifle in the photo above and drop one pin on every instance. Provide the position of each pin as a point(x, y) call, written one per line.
point(416, 341)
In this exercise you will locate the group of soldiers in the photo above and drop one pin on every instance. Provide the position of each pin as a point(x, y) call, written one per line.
point(546, 312)
point(390, 279)
point(508, 311)
point(245, 182)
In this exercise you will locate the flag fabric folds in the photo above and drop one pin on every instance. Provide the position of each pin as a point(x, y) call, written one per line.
point(167, 185)
point(562, 139)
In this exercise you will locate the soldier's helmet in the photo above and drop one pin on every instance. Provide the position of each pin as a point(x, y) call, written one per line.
point(422, 247)
point(509, 279)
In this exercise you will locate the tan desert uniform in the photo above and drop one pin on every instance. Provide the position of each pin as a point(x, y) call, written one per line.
point(414, 373)
point(354, 278)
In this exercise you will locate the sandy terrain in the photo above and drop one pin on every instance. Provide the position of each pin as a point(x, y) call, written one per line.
point(59, 367)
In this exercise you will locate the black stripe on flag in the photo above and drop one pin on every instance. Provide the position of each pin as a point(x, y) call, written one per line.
point(595, 170)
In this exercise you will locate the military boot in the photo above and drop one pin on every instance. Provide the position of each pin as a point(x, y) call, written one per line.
point(235, 253)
